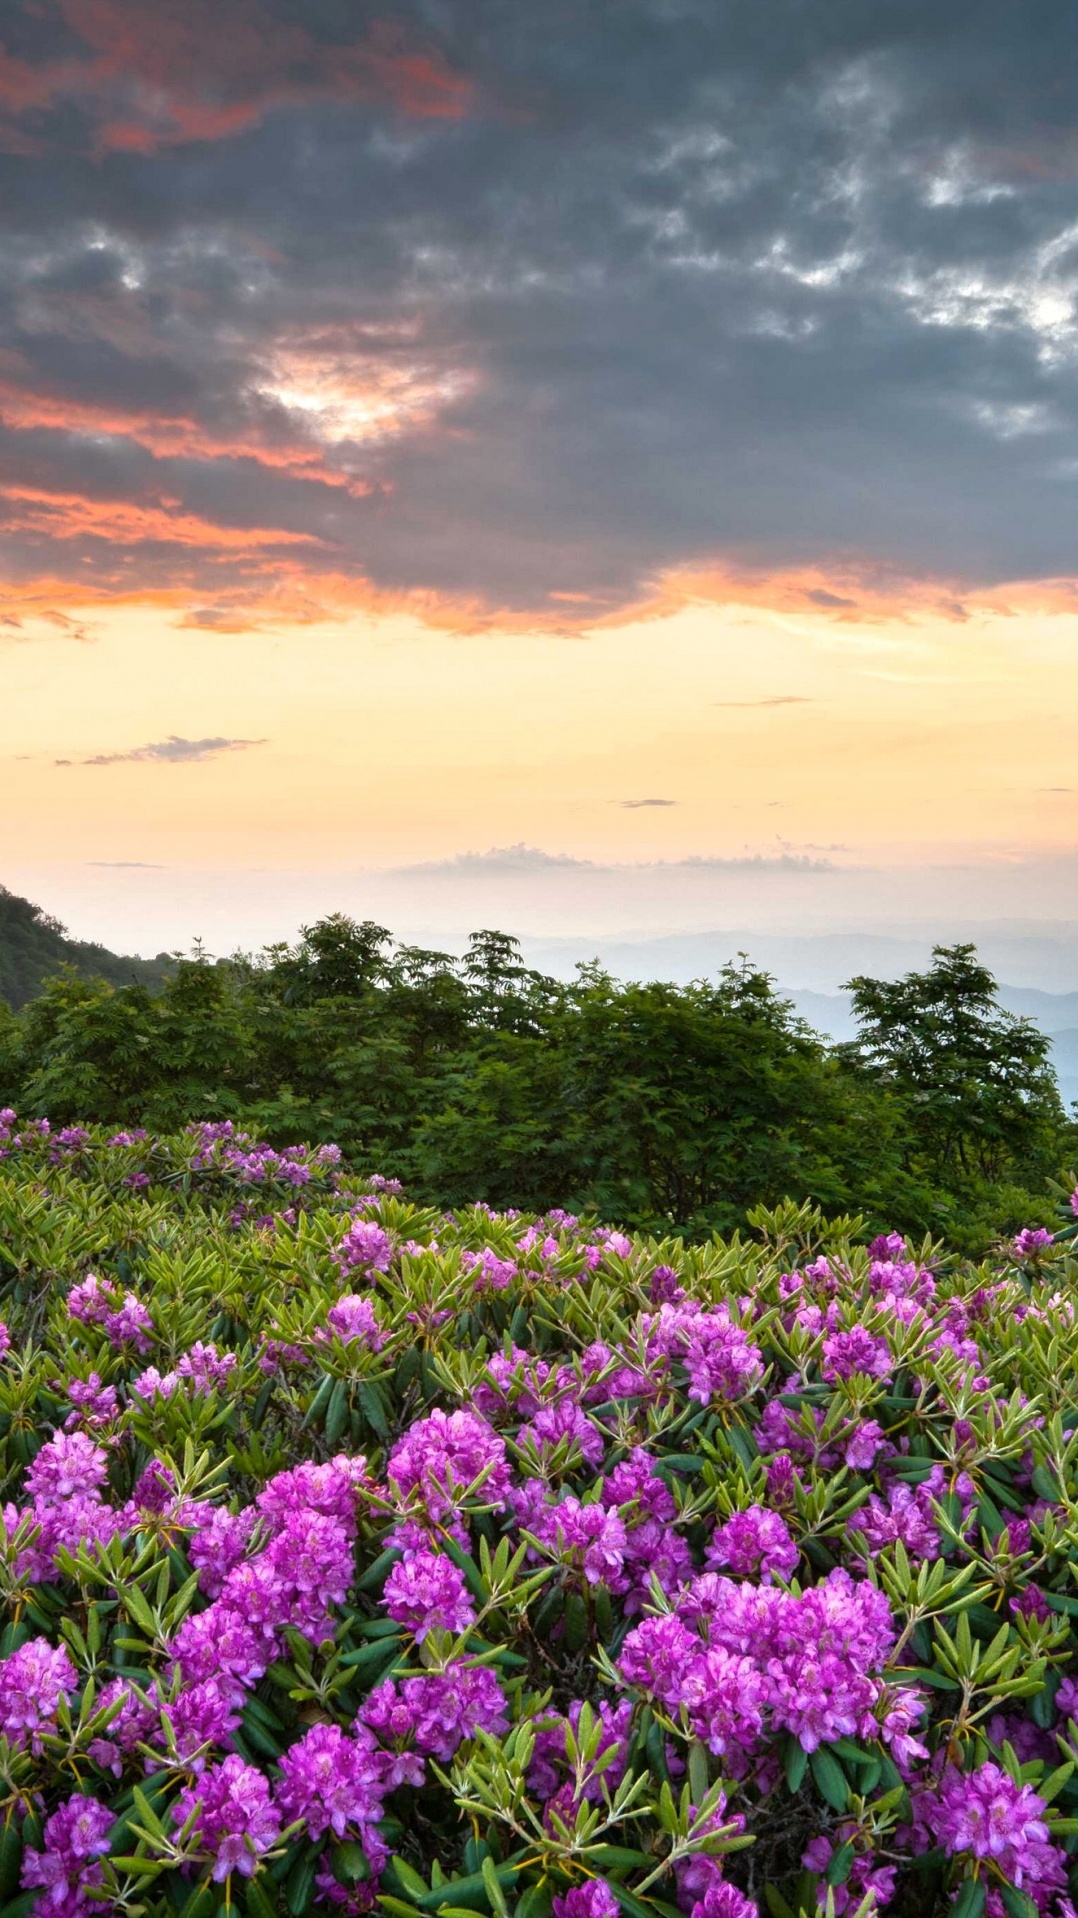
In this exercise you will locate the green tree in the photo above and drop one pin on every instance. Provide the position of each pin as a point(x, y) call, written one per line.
point(979, 1096)
point(689, 1104)
point(506, 994)
point(338, 958)
point(655, 1104)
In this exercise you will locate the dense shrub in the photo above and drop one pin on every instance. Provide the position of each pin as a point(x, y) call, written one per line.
point(360, 1555)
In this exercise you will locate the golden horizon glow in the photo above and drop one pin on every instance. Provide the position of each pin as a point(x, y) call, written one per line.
point(387, 741)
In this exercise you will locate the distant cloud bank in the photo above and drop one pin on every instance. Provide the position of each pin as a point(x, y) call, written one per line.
point(173, 751)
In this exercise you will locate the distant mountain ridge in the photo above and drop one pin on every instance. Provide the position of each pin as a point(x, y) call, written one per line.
point(34, 945)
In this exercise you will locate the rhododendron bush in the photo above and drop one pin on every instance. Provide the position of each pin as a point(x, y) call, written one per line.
point(361, 1557)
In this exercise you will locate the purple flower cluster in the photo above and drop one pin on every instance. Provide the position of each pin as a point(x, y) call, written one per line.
point(353, 1317)
point(33, 1682)
point(732, 1659)
point(492, 1274)
point(202, 1369)
point(445, 1459)
point(720, 1359)
point(753, 1544)
point(987, 1814)
point(95, 1407)
point(123, 1317)
point(723, 1900)
point(217, 1146)
point(365, 1247)
point(132, 1724)
point(235, 1818)
point(430, 1717)
point(621, 1540)
point(219, 1545)
point(425, 1592)
point(591, 1900)
point(65, 1484)
point(847, 1353)
point(66, 1873)
point(1032, 1241)
point(335, 1782)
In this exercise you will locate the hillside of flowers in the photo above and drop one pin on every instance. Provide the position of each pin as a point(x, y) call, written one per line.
point(362, 1557)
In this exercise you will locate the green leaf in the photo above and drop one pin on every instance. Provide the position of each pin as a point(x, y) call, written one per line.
point(698, 1778)
point(336, 1412)
point(148, 1816)
point(635, 1907)
point(841, 1865)
point(202, 1903)
point(494, 1890)
point(795, 1762)
point(776, 1903)
point(380, 1651)
point(928, 1675)
point(258, 1898)
point(373, 1408)
point(535, 1902)
point(989, 1516)
point(300, 1885)
point(351, 1865)
point(408, 1878)
point(21, 1907)
point(1018, 1903)
point(316, 1409)
point(256, 1734)
point(744, 1445)
point(138, 1609)
point(10, 1860)
point(830, 1777)
point(471, 1891)
point(377, 1572)
point(472, 1575)
point(576, 1622)
point(475, 1850)
point(970, 1901)
point(618, 1857)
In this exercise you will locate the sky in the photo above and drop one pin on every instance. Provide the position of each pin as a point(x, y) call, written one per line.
point(600, 469)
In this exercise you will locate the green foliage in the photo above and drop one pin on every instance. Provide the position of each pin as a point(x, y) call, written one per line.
point(978, 1093)
point(657, 1104)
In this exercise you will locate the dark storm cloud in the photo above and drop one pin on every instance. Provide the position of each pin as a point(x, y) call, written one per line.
point(522, 309)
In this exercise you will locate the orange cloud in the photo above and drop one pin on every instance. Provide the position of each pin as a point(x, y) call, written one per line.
point(849, 590)
point(178, 71)
point(168, 437)
point(240, 588)
point(302, 593)
point(66, 516)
